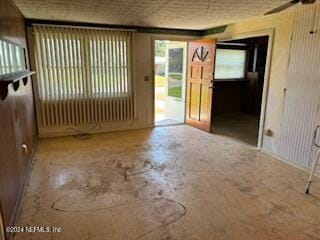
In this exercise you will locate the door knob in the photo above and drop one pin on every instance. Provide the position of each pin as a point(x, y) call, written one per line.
point(146, 78)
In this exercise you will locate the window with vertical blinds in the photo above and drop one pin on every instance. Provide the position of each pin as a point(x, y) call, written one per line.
point(84, 75)
point(12, 58)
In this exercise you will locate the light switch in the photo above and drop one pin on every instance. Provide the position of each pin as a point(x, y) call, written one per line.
point(25, 148)
point(268, 132)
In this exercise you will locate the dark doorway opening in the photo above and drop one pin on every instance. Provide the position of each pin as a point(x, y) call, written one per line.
point(239, 82)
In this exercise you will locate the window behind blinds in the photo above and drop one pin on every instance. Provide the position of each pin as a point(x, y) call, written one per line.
point(230, 64)
point(12, 58)
point(84, 75)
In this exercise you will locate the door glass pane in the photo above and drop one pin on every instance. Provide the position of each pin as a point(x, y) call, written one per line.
point(175, 72)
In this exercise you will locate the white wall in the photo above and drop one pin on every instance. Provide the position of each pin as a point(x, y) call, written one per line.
point(301, 110)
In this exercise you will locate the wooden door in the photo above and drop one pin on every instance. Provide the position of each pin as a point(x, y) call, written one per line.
point(201, 65)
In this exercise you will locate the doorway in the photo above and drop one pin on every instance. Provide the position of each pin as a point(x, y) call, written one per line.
point(239, 84)
point(170, 82)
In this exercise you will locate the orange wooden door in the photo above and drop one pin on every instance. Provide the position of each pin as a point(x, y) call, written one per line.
point(200, 85)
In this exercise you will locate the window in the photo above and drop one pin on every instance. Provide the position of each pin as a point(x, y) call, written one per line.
point(175, 62)
point(230, 64)
point(82, 63)
point(12, 58)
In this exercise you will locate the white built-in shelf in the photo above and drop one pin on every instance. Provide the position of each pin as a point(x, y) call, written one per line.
point(13, 78)
point(16, 76)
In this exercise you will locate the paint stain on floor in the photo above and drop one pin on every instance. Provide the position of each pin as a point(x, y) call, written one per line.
point(165, 183)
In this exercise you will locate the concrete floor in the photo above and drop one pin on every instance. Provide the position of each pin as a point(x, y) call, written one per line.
point(240, 126)
point(166, 122)
point(168, 183)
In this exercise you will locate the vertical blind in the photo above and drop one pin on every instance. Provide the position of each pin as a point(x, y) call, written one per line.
point(84, 75)
point(12, 58)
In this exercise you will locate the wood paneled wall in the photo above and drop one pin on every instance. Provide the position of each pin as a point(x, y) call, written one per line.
point(17, 122)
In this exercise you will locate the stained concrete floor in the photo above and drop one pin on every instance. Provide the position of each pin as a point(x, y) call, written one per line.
point(168, 183)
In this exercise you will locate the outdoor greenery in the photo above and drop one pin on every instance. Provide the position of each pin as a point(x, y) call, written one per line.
point(160, 48)
point(175, 92)
point(176, 76)
point(160, 84)
point(160, 81)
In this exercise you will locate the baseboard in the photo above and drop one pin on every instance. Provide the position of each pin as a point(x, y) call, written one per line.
point(17, 208)
point(307, 170)
point(63, 131)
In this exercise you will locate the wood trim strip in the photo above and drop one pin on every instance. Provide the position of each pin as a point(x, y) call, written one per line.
point(141, 29)
point(2, 227)
point(26, 178)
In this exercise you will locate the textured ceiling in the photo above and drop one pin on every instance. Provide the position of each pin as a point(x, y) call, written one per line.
point(185, 14)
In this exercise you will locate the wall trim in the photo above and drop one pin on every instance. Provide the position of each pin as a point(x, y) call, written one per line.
point(63, 131)
point(216, 30)
point(304, 169)
point(140, 29)
point(2, 227)
point(22, 191)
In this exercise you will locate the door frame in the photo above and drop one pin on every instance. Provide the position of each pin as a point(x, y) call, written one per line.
point(269, 32)
point(153, 42)
point(182, 100)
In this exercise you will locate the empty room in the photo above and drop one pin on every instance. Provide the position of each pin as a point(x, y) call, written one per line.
point(159, 120)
